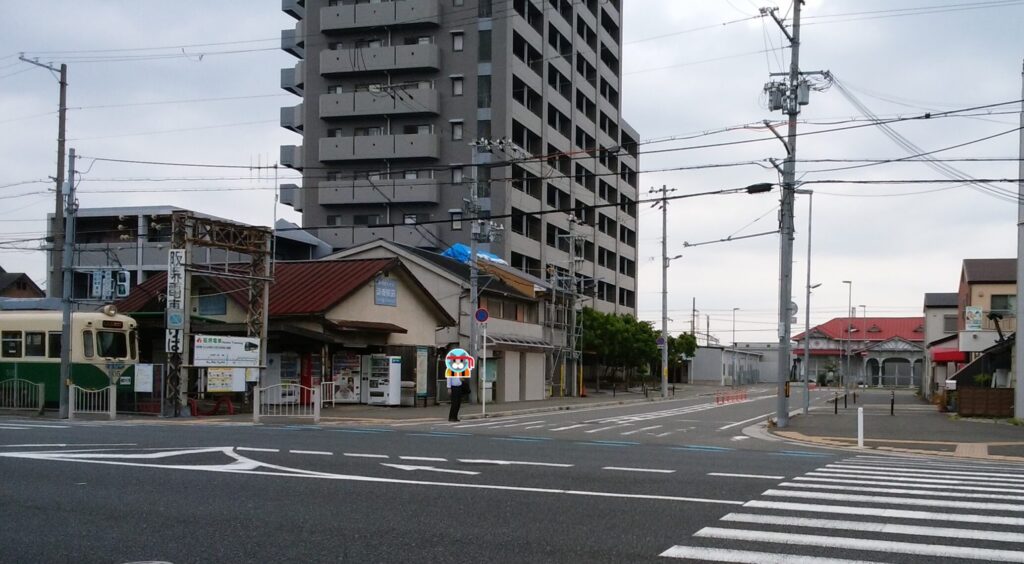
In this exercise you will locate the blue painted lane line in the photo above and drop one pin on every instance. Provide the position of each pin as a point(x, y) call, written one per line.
point(799, 453)
point(703, 448)
point(522, 439)
point(604, 444)
point(628, 443)
point(451, 433)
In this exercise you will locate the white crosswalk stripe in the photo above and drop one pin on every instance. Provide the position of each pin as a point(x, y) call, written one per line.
point(638, 417)
point(869, 508)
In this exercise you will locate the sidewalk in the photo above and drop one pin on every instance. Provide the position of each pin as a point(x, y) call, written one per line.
point(916, 427)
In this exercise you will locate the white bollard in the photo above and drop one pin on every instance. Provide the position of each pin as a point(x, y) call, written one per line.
point(860, 427)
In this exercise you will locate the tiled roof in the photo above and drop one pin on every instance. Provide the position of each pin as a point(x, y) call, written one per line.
point(872, 328)
point(299, 288)
point(941, 299)
point(991, 270)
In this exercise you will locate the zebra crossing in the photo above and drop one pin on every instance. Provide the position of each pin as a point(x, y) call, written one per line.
point(874, 508)
point(21, 425)
point(624, 425)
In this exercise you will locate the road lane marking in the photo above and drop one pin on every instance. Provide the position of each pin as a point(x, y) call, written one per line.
point(798, 453)
point(924, 478)
point(517, 424)
point(410, 468)
point(513, 462)
point(361, 455)
point(738, 438)
point(439, 434)
point(320, 452)
point(523, 439)
point(1016, 477)
point(903, 490)
point(702, 448)
point(875, 527)
point(730, 475)
point(33, 425)
point(942, 551)
point(625, 469)
point(32, 445)
point(706, 554)
point(424, 458)
point(534, 427)
point(759, 417)
point(606, 428)
point(921, 462)
point(659, 435)
point(248, 467)
point(944, 484)
point(7, 428)
point(880, 513)
point(567, 427)
point(886, 500)
point(641, 430)
point(464, 426)
point(255, 449)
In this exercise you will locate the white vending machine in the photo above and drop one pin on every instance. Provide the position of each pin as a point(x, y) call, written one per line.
point(281, 379)
point(385, 380)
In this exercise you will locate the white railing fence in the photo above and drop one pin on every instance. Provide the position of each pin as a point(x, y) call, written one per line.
point(267, 402)
point(22, 394)
point(84, 400)
point(328, 390)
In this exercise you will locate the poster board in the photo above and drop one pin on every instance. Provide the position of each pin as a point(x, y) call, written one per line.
point(225, 379)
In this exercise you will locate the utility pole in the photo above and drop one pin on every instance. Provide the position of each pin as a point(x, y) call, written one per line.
point(734, 348)
point(664, 285)
point(788, 97)
point(68, 193)
point(1018, 403)
point(807, 306)
point(54, 281)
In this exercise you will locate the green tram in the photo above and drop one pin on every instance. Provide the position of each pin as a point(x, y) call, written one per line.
point(104, 349)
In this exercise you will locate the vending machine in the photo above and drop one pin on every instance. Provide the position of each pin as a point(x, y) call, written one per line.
point(385, 380)
point(281, 379)
point(347, 375)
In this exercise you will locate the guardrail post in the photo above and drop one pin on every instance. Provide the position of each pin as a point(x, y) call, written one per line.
point(41, 396)
point(892, 403)
point(112, 400)
point(256, 404)
point(316, 405)
point(835, 404)
point(71, 399)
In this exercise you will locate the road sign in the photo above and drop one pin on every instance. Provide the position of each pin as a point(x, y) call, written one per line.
point(793, 308)
point(175, 319)
point(481, 315)
point(660, 342)
point(175, 341)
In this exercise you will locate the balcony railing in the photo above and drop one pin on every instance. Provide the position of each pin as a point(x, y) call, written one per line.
point(397, 191)
point(293, 79)
point(291, 118)
point(380, 147)
point(377, 59)
point(383, 14)
point(360, 104)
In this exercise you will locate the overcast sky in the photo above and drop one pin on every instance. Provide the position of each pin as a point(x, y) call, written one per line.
point(685, 74)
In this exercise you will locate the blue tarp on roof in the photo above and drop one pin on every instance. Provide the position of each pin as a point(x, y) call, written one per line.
point(461, 252)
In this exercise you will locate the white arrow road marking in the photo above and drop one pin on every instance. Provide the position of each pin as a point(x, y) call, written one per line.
point(511, 462)
point(429, 469)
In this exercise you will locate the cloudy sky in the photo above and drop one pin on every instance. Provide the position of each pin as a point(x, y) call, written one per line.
point(692, 68)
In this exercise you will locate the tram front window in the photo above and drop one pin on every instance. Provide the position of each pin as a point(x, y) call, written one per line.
point(112, 344)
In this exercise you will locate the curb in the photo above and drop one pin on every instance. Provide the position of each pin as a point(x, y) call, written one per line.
point(472, 416)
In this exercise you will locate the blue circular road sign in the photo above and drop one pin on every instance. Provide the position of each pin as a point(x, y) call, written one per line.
point(481, 315)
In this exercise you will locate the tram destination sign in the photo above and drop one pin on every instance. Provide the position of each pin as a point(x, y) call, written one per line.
point(217, 350)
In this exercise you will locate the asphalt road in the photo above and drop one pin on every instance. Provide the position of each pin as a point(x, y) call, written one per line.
point(128, 492)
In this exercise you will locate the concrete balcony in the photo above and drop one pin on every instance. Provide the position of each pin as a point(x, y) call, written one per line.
point(422, 146)
point(380, 59)
point(291, 156)
point(293, 40)
point(361, 104)
point(362, 192)
point(291, 195)
point(294, 78)
point(416, 236)
point(294, 8)
point(385, 14)
point(291, 118)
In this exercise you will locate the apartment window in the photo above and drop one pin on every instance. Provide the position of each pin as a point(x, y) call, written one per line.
point(364, 132)
point(368, 43)
point(484, 10)
point(949, 323)
point(420, 40)
point(457, 130)
point(483, 91)
point(485, 44)
point(456, 219)
point(457, 86)
point(457, 175)
point(333, 220)
point(411, 174)
point(458, 3)
point(366, 219)
point(410, 219)
point(416, 129)
point(458, 41)
point(1005, 305)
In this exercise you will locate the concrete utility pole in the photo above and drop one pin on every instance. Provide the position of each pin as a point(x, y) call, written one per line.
point(807, 306)
point(664, 286)
point(54, 281)
point(1018, 404)
point(67, 288)
point(789, 98)
point(849, 335)
point(734, 348)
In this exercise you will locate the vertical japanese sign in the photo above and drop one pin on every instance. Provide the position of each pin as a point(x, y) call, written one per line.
point(175, 342)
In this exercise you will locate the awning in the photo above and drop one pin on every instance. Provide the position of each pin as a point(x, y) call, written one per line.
point(517, 342)
point(371, 326)
point(948, 355)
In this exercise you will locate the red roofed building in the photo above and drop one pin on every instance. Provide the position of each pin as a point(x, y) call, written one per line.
point(879, 351)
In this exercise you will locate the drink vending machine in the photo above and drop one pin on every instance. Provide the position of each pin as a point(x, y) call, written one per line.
point(385, 380)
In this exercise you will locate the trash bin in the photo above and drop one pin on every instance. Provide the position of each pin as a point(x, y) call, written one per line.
point(408, 394)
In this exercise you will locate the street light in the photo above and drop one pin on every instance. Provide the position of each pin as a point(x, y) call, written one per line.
point(734, 310)
point(807, 343)
point(849, 306)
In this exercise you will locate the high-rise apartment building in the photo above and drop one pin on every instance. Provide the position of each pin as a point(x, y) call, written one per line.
point(394, 93)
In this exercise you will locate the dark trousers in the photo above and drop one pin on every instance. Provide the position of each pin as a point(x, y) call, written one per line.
point(456, 393)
